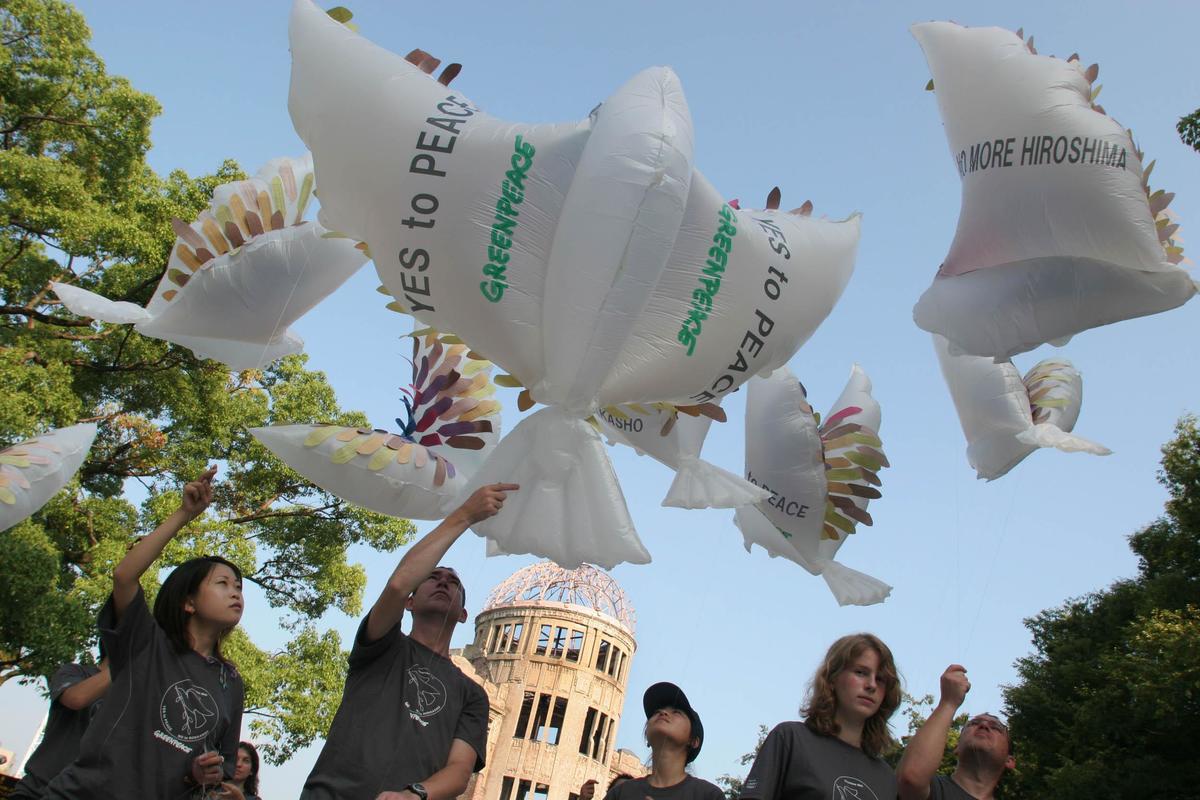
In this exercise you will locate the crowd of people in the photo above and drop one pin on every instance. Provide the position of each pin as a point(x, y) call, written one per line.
point(160, 715)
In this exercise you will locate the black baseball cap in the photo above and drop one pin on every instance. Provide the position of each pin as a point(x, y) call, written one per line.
point(668, 695)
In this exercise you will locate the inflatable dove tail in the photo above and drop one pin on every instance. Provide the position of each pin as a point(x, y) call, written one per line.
point(570, 507)
point(699, 484)
point(1047, 435)
point(83, 303)
point(851, 587)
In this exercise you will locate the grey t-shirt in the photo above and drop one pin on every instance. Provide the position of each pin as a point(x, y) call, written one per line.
point(64, 728)
point(402, 708)
point(943, 788)
point(690, 788)
point(796, 763)
point(162, 710)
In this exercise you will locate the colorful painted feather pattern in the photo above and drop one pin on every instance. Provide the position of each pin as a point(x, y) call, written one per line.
point(1048, 385)
point(276, 198)
point(853, 458)
point(448, 407)
point(18, 457)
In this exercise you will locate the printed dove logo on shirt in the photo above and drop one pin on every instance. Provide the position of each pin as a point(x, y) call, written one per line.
point(424, 694)
point(188, 712)
point(850, 788)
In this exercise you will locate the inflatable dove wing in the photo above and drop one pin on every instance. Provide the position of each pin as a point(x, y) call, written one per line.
point(1005, 417)
point(742, 291)
point(674, 436)
point(418, 473)
point(33, 471)
point(241, 274)
point(821, 477)
point(1059, 230)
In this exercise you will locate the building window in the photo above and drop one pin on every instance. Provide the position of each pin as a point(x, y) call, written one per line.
point(539, 721)
point(608, 729)
point(598, 735)
point(506, 787)
point(541, 792)
point(514, 644)
point(556, 720)
point(523, 719)
point(522, 790)
point(572, 796)
point(585, 740)
point(576, 646)
point(500, 638)
point(602, 655)
point(543, 641)
point(614, 661)
point(560, 643)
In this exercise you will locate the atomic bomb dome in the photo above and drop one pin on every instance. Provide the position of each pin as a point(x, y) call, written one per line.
point(547, 583)
point(552, 649)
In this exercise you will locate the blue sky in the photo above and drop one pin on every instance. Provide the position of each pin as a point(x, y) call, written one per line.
point(827, 102)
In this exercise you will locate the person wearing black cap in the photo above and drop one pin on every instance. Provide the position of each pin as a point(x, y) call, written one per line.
point(675, 734)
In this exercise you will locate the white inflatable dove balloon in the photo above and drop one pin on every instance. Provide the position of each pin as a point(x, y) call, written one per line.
point(33, 471)
point(1059, 230)
point(1005, 417)
point(590, 260)
point(821, 476)
point(241, 274)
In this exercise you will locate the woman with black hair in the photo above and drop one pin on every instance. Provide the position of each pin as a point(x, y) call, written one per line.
point(245, 774)
point(170, 725)
point(675, 735)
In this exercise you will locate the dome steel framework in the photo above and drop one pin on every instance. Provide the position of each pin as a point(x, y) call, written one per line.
point(586, 586)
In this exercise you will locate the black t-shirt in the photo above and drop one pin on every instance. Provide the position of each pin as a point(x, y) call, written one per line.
point(943, 788)
point(690, 788)
point(402, 708)
point(797, 764)
point(162, 710)
point(64, 728)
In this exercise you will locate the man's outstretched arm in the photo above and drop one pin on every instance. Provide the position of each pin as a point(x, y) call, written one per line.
point(424, 556)
point(923, 755)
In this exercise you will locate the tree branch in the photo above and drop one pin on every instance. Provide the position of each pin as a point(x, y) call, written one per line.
point(302, 512)
point(20, 123)
point(46, 318)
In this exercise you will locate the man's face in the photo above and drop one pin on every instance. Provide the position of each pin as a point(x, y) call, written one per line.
point(985, 734)
point(440, 593)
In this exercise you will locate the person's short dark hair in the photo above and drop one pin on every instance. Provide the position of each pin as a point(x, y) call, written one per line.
point(183, 582)
point(668, 695)
point(250, 785)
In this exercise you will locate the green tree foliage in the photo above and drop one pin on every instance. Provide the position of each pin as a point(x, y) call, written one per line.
point(1109, 703)
point(1189, 130)
point(733, 784)
point(78, 203)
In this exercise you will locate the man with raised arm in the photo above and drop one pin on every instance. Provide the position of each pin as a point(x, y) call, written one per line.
point(984, 750)
point(410, 726)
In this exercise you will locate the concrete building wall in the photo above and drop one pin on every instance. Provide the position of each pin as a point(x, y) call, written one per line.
point(556, 675)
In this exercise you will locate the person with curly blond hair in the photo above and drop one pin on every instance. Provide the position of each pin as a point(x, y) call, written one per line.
point(835, 752)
